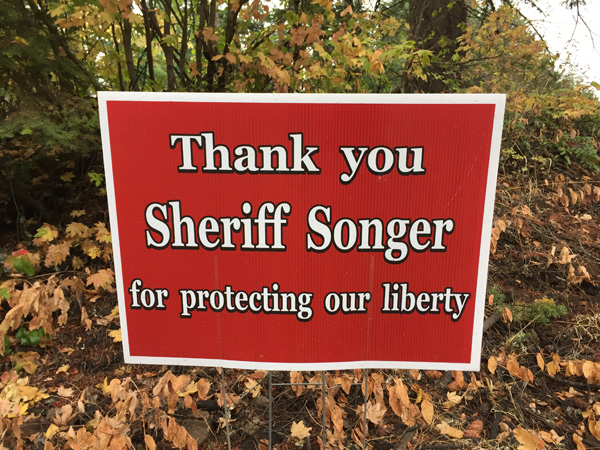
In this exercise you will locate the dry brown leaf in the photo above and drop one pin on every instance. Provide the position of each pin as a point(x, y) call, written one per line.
point(337, 418)
point(77, 230)
point(149, 441)
point(492, 364)
point(512, 366)
point(565, 256)
point(507, 315)
point(459, 381)
point(375, 412)
point(253, 387)
point(203, 386)
point(529, 440)
point(65, 392)
point(453, 400)
point(594, 427)
point(552, 437)
point(346, 383)
point(402, 392)
point(85, 320)
point(474, 429)
point(433, 374)
point(62, 418)
point(415, 374)
point(540, 361)
point(552, 368)
point(578, 442)
point(104, 278)
point(296, 377)
point(427, 411)
point(589, 371)
point(449, 431)
point(116, 335)
point(300, 431)
point(57, 254)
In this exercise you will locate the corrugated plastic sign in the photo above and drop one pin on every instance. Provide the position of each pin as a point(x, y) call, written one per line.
point(301, 232)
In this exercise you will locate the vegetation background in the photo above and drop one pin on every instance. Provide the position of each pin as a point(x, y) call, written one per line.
point(64, 384)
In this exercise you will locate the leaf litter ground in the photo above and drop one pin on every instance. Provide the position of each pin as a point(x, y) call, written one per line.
point(539, 384)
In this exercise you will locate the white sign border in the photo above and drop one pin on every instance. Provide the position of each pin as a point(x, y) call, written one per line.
point(498, 100)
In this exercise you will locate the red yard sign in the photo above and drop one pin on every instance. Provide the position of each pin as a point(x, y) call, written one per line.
point(301, 232)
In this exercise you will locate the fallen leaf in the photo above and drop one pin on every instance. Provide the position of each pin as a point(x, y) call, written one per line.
point(552, 368)
point(65, 392)
point(427, 411)
point(300, 431)
point(346, 383)
point(101, 279)
point(116, 335)
point(149, 441)
point(253, 387)
point(474, 429)
point(529, 440)
point(540, 361)
point(589, 371)
point(375, 412)
point(85, 319)
point(76, 229)
point(78, 213)
point(203, 386)
point(433, 374)
point(594, 427)
point(296, 377)
point(552, 437)
point(453, 400)
point(507, 315)
point(64, 368)
point(449, 431)
point(62, 418)
point(51, 431)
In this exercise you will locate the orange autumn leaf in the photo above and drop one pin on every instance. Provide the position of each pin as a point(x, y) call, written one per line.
point(77, 230)
point(492, 364)
point(427, 411)
point(101, 279)
point(529, 440)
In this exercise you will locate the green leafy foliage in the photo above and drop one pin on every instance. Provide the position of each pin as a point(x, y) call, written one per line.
point(53, 56)
point(30, 337)
point(549, 114)
point(24, 265)
point(538, 312)
point(542, 311)
point(7, 348)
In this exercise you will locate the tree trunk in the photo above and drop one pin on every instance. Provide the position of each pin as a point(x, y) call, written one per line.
point(168, 49)
point(119, 69)
point(210, 49)
point(202, 14)
point(149, 36)
point(230, 28)
point(184, 44)
point(435, 25)
point(131, 70)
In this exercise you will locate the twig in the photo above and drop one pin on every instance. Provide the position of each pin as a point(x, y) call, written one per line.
point(573, 383)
